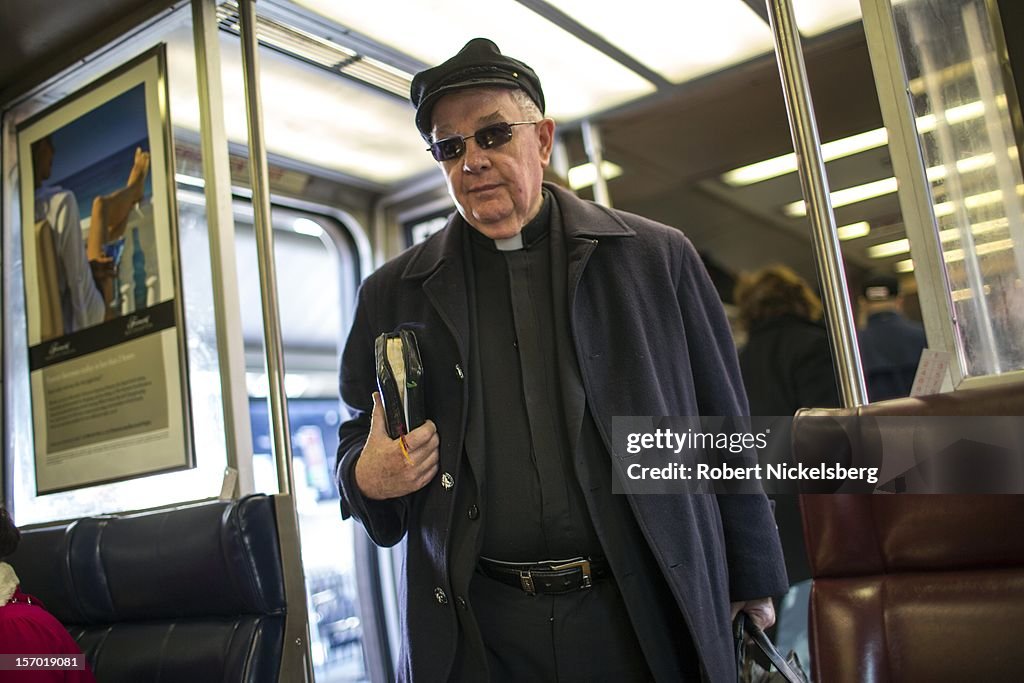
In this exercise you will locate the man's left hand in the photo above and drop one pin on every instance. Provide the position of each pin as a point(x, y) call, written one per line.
point(760, 611)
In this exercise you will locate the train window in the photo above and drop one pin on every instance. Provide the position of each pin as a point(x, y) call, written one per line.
point(316, 277)
point(203, 481)
point(962, 106)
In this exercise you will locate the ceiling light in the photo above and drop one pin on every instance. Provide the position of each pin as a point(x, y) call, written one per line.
point(358, 131)
point(975, 201)
point(585, 175)
point(854, 144)
point(850, 195)
point(906, 266)
point(887, 249)
point(968, 165)
point(958, 114)
point(579, 79)
point(859, 193)
point(961, 294)
point(853, 231)
point(979, 250)
point(705, 36)
point(985, 227)
point(814, 17)
point(773, 168)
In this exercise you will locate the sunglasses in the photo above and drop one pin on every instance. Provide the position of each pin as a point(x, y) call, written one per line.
point(488, 137)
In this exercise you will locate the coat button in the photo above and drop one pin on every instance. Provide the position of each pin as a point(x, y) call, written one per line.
point(473, 512)
point(461, 602)
point(458, 371)
point(439, 595)
point(447, 480)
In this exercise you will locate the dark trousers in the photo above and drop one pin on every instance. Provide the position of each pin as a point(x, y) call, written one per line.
point(581, 636)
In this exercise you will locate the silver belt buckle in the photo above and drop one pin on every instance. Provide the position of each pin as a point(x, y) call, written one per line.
point(584, 566)
point(526, 582)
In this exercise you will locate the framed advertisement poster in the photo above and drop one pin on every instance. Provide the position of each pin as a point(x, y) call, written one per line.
point(105, 320)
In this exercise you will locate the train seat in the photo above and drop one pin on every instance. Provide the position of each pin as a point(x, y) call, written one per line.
point(916, 587)
point(190, 594)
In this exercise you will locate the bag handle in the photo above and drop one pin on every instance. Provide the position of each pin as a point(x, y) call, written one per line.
point(745, 625)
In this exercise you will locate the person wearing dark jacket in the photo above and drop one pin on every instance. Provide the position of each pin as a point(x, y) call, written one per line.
point(786, 366)
point(786, 362)
point(890, 344)
point(539, 316)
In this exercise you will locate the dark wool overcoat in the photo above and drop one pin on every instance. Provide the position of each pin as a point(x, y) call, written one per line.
point(650, 338)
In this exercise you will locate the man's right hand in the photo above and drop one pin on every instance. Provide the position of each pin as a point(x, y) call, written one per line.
point(382, 471)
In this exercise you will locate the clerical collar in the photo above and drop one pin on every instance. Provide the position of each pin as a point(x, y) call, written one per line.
point(532, 232)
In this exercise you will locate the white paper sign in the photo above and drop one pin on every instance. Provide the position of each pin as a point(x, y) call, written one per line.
point(932, 371)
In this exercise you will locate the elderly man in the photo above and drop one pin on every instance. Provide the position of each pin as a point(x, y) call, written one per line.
point(540, 316)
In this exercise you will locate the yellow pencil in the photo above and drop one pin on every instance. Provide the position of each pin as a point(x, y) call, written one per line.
point(405, 448)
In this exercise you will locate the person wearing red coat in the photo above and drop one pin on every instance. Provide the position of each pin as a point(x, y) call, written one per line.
point(26, 628)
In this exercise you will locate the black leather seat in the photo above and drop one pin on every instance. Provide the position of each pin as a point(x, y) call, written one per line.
point(191, 594)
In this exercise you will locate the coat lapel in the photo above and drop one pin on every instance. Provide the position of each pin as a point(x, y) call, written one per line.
point(440, 266)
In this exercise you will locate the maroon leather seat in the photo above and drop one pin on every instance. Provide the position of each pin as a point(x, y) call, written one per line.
point(918, 587)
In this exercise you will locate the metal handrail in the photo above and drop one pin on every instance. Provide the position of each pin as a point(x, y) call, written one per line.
point(296, 654)
point(828, 257)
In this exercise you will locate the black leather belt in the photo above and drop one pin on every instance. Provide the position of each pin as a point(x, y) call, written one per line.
point(550, 577)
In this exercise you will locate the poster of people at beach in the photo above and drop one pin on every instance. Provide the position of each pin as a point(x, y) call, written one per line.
point(104, 314)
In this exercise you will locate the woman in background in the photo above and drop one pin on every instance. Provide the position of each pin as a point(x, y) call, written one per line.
point(786, 363)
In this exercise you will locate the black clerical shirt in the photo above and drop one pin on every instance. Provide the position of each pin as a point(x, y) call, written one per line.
point(534, 508)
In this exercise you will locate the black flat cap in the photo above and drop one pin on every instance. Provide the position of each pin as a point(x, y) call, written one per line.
point(479, 64)
point(881, 286)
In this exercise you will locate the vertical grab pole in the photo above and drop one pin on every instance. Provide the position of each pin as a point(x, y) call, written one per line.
point(295, 658)
point(265, 248)
point(838, 311)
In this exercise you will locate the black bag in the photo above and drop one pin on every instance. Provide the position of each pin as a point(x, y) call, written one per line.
point(400, 381)
point(788, 669)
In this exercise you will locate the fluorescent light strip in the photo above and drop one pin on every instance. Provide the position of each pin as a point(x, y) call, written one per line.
point(859, 193)
point(585, 175)
point(853, 231)
point(887, 249)
point(937, 173)
point(849, 195)
point(952, 234)
point(949, 73)
point(980, 250)
point(961, 294)
point(778, 166)
point(906, 266)
point(902, 246)
point(943, 209)
point(844, 147)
